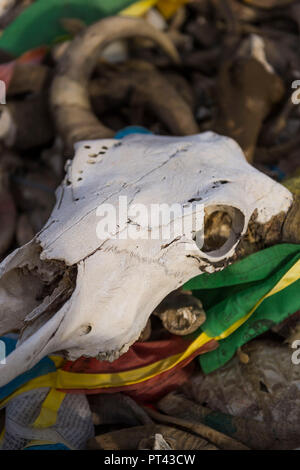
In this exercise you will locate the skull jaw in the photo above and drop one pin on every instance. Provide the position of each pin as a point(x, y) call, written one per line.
point(103, 316)
point(108, 311)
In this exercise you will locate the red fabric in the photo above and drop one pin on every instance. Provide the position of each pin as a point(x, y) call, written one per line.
point(139, 355)
point(7, 71)
point(35, 56)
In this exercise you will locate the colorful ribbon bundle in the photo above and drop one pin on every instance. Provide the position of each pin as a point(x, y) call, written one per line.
point(247, 298)
point(41, 23)
point(241, 302)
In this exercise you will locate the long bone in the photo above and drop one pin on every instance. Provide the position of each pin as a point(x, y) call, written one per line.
point(70, 98)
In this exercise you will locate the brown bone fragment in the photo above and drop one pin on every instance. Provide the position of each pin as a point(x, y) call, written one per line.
point(130, 438)
point(246, 93)
point(169, 98)
point(216, 437)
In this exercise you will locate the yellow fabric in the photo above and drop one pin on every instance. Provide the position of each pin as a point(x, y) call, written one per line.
point(70, 380)
point(49, 410)
point(73, 380)
point(48, 380)
point(50, 406)
point(290, 276)
point(40, 443)
point(139, 8)
point(58, 361)
point(166, 7)
point(169, 7)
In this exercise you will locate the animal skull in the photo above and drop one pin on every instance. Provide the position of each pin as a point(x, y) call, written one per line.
point(67, 290)
point(71, 291)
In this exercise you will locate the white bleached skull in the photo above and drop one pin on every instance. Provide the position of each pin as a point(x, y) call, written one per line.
point(69, 291)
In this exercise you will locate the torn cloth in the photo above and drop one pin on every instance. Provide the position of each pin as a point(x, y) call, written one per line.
point(41, 23)
point(246, 299)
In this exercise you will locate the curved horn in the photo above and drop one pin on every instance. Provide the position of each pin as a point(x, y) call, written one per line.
point(69, 95)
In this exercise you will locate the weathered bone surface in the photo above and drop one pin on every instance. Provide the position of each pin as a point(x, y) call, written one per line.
point(67, 290)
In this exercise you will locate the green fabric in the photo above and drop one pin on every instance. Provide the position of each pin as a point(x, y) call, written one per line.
point(40, 24)
point(230, 294)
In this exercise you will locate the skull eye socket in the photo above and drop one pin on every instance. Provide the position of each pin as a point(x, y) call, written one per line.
point(223, 226)
point(217, 229)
